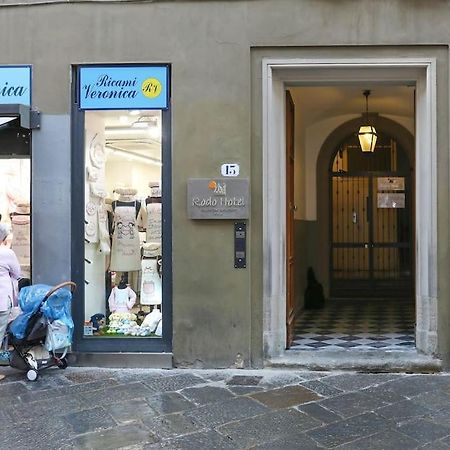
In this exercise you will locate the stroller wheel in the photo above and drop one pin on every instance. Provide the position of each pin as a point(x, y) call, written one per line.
point(32, 375)
point(62, 363)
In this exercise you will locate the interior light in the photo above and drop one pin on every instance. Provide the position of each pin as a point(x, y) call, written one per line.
point(145, 122)
point(139, 124)
point(367, 133)
point(367, 138)
point(123, 131)
point(134, 112)
point(130, 156)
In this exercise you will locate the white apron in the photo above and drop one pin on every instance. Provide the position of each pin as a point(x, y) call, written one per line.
point(125, 253)
point(151, 287)
point(154, 231)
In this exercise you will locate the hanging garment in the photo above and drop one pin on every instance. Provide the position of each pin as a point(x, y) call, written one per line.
point(121, 300)
point(151, 286)
point(103, 234)
point(125, 253)
point(154, 232)
point(151, 220)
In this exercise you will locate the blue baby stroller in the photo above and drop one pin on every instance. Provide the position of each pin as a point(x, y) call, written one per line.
point(42, 334)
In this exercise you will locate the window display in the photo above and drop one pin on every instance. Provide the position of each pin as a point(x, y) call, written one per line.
point(123, 224)
point(15, 208)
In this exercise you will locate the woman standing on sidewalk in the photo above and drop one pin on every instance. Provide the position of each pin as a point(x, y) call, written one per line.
point(9, 274)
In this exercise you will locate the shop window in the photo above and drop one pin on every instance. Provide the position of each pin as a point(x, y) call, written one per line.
point(15, 188)
point(123, 224)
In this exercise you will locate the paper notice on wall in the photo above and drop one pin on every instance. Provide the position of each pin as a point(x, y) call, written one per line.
point(391, 200)
point(391, 183)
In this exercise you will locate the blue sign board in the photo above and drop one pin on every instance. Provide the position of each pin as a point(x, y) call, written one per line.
point(15, 85)
point(123, 87)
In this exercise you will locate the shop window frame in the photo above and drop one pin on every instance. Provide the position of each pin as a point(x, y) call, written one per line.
point(100, 344)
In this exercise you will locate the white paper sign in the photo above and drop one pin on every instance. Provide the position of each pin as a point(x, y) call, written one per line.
point(229, 170)
point(391, 200)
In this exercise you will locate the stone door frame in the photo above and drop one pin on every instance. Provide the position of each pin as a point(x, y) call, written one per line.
point(282, 72)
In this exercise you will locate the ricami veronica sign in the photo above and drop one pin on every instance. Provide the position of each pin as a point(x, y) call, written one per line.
point(218, 198)
point(15, 85)
point(123, 87)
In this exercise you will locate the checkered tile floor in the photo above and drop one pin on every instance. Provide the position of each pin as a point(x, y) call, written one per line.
point(357, 324)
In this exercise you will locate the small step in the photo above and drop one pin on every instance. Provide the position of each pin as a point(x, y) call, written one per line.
point(375, 360)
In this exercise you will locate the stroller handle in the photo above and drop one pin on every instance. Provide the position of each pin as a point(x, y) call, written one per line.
point(72, 285)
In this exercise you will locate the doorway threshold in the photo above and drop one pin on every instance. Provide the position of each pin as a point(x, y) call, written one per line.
point(372, 360)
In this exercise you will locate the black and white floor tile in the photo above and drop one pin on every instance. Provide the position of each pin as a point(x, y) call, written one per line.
point(357, 324)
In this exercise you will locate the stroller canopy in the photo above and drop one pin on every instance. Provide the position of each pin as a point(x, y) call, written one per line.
point(56, 307)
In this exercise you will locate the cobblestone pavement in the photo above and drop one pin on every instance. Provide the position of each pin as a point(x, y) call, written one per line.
point(223, 409)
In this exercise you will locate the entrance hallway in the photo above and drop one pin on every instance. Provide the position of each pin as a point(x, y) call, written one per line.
point(386, 324)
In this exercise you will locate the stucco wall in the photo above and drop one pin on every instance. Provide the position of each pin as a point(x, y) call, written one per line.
point(216, 97)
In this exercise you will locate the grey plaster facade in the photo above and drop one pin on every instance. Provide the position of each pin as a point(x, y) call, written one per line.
point(216, 49)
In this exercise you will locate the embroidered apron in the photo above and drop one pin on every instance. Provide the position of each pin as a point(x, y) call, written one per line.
point(151, 287)
point(154, 222)
point(125, 253)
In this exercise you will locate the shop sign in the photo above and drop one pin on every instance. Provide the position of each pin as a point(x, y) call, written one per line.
point(218, 198)
point(15, 85)
point(123, 87)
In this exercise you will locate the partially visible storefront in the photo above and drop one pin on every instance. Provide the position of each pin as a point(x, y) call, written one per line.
point(16, 123)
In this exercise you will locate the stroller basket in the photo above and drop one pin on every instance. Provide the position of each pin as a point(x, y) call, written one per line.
point(36, 333)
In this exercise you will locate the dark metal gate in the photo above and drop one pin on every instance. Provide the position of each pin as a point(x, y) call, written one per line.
point(371, 222)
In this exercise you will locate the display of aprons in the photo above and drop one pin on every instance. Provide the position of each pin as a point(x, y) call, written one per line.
point(151, 286)
point(125, 253)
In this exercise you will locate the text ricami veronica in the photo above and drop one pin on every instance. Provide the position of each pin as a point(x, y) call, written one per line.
point(111, 88)
point(7, 90)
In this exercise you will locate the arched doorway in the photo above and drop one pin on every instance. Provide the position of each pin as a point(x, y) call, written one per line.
point(365, 206)
point(371, 225)
point(330, 147)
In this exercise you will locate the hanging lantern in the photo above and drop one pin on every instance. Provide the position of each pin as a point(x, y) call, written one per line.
point(367, 133)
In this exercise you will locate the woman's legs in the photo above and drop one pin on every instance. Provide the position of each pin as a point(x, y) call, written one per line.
point(4, 316)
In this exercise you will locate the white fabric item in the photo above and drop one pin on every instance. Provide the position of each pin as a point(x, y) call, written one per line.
point(151, 286)
point(121, 300)
point(152, 320)
point(151, 249)
point(151, 220)
point(158, 330)
point(103, 233)
point(58, 336)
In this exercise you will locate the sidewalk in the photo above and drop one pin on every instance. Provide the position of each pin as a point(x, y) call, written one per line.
point(135, 409)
